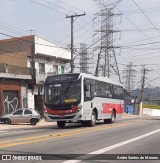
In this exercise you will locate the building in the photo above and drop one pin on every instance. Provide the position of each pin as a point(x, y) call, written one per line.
point(24, 65)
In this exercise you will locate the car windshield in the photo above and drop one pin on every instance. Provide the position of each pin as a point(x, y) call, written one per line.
point(63, 93)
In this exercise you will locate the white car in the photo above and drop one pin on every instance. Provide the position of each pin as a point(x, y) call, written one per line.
point(23, 115)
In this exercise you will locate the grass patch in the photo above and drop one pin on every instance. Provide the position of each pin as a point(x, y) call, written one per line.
point(151, 106)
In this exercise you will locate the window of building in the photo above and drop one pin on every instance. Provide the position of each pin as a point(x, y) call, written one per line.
point(62, 69)
point(55, 69)
point(41, 68)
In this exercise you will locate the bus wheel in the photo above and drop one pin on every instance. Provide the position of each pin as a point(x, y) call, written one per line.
point(92, 122)
point(110, 120)
point(61, 124)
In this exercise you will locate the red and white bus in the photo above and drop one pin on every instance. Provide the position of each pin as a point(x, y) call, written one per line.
point(84, 98)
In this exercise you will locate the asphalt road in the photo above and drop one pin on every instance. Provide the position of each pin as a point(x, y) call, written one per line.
point(126, 139)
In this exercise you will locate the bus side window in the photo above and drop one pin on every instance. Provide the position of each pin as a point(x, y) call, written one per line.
point(110, 88)
point(118, 92)
point(94, 93)
point(87, 90)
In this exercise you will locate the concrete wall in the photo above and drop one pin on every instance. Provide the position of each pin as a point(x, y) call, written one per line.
point(51, 49)
point(31, 103)
point(151, 112)
point(16, 50)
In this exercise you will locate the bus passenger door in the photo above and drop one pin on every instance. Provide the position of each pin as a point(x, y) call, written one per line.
point(87, 109)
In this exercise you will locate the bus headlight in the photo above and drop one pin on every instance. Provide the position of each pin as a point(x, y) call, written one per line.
point(79, 108)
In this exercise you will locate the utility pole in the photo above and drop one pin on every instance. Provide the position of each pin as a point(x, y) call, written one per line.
point(33, 63)
point(144, 70)
point(72, 43)
point(142, 90)
point(143, 83)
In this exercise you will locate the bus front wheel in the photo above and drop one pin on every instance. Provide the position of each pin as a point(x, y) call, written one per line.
point(61, 124)
point(92, 122)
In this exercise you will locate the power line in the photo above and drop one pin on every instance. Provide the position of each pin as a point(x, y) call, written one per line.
point(33, 43)
point(58, 6)
point(150, 43)
point(146, 16)
point(70, 5)
point(154, 79)
point(142, 40)
point(147, 10)
point(12, 28)
point(48, 7)
point(132, 22)
point(57, 11)
point(18, 38)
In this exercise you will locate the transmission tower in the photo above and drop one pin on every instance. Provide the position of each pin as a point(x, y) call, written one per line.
point(84, 58)
point(106, 62)
point(129, 71)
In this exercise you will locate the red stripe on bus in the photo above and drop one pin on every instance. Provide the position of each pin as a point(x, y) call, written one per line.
point(59, 112)
point(109, 107)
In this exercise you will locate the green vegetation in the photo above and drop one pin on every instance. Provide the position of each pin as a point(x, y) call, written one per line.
point(151, 106)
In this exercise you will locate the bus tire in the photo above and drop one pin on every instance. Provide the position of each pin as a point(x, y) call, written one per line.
point(61, 124)
point(112, 118)
point(92, 122)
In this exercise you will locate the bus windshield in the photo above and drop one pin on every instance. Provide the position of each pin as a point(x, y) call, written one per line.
point(63, 92)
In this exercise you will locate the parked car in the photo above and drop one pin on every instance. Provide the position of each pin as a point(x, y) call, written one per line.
point(23, 115)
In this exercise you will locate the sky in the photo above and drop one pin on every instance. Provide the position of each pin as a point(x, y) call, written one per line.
point(138, 23)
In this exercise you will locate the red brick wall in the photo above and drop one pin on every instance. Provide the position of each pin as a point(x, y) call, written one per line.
point(15, 51)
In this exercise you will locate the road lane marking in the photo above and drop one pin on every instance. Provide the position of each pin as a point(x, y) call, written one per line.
point(103, 150)
point(74, 131)
point(10, 143)
point(31, 141)
point(65, 134)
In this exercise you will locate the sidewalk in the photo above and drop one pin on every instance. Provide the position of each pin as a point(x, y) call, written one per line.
point(125, 115)
point(43, 123)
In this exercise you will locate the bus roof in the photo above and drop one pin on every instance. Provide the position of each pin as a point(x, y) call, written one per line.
point(89, 76)
point(101, 78)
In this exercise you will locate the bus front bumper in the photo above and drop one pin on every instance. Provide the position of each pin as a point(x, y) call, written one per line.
point(67, 117)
